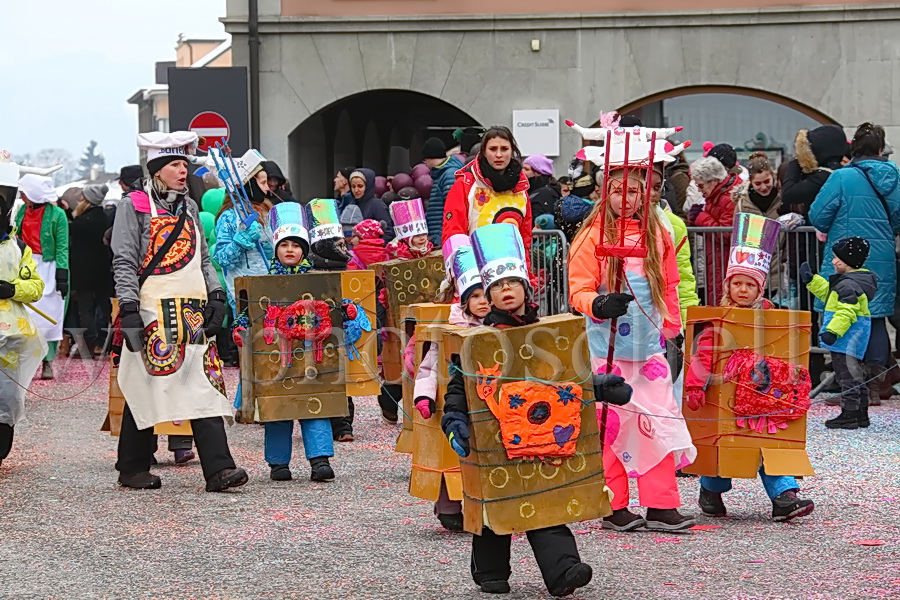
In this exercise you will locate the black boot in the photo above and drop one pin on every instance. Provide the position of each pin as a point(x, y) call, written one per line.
point(711, 503)
point(863, 416)
point(623, 520)
point(140, 481)
point(227, 478)
point(321, 469)
point(494, 587)
point(279, 473)
point(668, 519)
point(576, 577)
point(848, 419)
point(451, 522)
point(788, 506)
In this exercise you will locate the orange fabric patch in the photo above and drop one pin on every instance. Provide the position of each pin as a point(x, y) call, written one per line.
point(538, 420)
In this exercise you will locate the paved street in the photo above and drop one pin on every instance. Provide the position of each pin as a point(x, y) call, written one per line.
point(69, 532)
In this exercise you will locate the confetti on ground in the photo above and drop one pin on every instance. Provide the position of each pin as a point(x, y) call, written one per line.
point(869, 542)
point(705, 527)
point(335, 541)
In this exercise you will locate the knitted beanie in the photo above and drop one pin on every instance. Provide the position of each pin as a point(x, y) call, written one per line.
point(725, 154)
point(434, 148)
point(852, 250)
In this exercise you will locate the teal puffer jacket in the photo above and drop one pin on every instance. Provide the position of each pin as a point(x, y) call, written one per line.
point(847, 205)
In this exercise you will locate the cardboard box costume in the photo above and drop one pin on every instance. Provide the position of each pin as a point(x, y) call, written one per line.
point(754, 402)
point(535, 459)
point(308, 346)
point(515, 493)
point(433, 461)
point(405, 282)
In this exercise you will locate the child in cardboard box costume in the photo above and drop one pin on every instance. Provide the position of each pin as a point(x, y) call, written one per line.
point(411, 230)
point(287, 223)
point(469, 310)
point(754, 240)
point(329, 252)
point(411, 243)
point(21, 347)
point(649, 440)
point(500, 255)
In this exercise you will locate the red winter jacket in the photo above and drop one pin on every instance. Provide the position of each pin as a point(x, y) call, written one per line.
point(718, 212)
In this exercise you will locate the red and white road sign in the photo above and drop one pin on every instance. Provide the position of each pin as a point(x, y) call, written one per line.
point(212, 127)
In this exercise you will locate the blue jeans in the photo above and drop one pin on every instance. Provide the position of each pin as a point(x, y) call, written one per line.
point(317, 440)
point(775, 484)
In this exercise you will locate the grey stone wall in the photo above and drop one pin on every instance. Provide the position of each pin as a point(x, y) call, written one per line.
point(843, 62)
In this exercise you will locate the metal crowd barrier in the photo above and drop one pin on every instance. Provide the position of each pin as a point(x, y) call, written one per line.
point(711, 246)
point(549, 252)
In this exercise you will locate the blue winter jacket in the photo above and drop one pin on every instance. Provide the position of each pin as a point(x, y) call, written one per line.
point(442, 178)
point(237, 253)
point(848, 206)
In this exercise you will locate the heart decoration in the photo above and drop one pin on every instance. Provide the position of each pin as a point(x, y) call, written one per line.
point(645, 426)
point(741, 257)
point(194, 320)
point(563, 434)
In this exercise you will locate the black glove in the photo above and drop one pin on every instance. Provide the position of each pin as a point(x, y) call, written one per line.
point(214, 314)
point(62, 282)
point(611, 389)
point(610, 306)
point(7, 290)
point(828, 338)
point(456, 428)
point(132, 325)
point(694, 212)
point(806, 273)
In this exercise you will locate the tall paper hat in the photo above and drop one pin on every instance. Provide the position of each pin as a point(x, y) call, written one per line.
point(753, 241)
point(500, 253)
point(288, 220)
point(323, 220)
point(409, 218)
point(461, 265)
point(159, 144)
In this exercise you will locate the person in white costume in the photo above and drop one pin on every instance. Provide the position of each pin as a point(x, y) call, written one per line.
point(21, 346)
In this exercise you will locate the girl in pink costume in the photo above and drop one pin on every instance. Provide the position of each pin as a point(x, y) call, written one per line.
point(648, 440)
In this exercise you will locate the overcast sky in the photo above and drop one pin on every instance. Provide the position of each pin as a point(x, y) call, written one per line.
point(68, 68)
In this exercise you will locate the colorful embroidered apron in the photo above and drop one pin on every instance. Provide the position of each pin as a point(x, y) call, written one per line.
point(178, 375)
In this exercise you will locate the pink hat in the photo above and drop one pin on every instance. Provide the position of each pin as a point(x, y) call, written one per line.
point(540, 163)
point(409, 218)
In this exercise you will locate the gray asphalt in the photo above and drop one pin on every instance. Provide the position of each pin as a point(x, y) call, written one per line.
point(67, 531)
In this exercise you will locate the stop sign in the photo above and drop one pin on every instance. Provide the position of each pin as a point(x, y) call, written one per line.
point(212, 127)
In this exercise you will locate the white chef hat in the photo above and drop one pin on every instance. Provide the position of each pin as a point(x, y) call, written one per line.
point(37, 188)
point(163, 148)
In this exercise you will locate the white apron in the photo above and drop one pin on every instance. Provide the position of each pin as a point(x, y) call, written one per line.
point(21, 347)
point(50, 303)
point(178, 375)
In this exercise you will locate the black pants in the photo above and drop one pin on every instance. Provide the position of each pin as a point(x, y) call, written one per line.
point(851, 376)
point(342, 425)
point(390, 398)
point(93, 316)
point(6, 440)
point(136, 446)
point(554, 550)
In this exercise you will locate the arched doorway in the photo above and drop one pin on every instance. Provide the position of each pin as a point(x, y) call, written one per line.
point(749, 120)
point(361, 130)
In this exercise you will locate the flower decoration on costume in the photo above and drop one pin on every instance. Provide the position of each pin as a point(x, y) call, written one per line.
point(356, 321)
